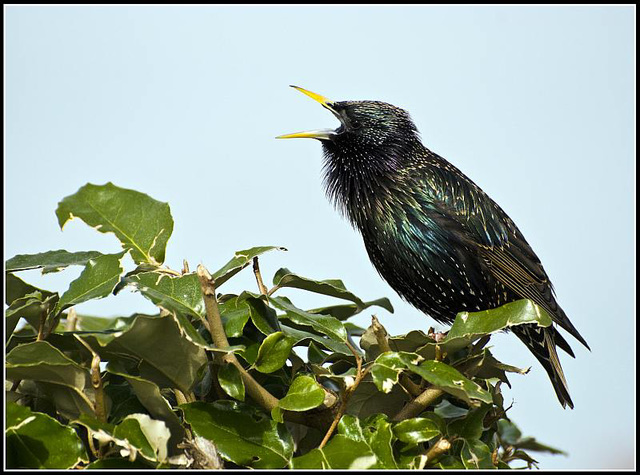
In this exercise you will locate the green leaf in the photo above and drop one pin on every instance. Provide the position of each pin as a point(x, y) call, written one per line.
point(530, 443)
point(135, 434)
point(17, 288)
point(303, 394)
point(235, 315)
point(511, 435)
point(469, 327)
point(447, 410)
point(508, 431)
point(522, 455)
point(181, 294)
point(148, 436)
point(149, 395)
point(329, 326)
point(262, 316)
point(94, 425)
point(302, 336)
point(367, 400)
point(354, 447)
point(416, 430)
point(450, 462)
point(16, 414)
point(142, 224)
point(273, 352)
point(40, 441)
point(343, 312)
point(387, 368)
point(231, 381)
point(241, 433)
point(315, 354)
point(98, 279)
point(409, 343)
point(65, 380)
point(240, 260)
point(340, 453)
point(379, 435)
point(488, 367)
point(451, 380)
point(471, 426)
point(332, 288)
point(50, 261)
point(32, 307)
point(476, 455)
point(175, 366)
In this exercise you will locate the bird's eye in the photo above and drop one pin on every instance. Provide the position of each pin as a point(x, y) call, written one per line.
point(355, 124)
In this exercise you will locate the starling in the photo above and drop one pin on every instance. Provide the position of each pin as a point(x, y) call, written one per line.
point(441, 243)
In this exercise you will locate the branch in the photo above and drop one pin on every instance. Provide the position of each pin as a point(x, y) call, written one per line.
point(360, 374)
point(383, 344)
point(99, 407)
point(263, 397)
point(256, 271)
point(437, 450)
point(419, 404)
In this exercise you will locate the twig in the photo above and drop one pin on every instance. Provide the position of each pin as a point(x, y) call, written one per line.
point(92, 447)
point(381, 334)
point(437, 450)
point(99, 407)
point(383, 344)
point(43, 318)
point(256, 271)
point(72, 320)
point(360, 374)
point(419, 404)
point(265, 399)
point(96, 382)
point(185, 266)
point(180, 397)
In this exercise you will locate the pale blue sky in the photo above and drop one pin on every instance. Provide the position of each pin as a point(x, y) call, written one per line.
point(535, 104)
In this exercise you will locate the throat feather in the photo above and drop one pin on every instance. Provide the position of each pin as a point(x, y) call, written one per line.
point(359, 184)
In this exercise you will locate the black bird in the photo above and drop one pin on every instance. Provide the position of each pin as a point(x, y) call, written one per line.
point(431, 232)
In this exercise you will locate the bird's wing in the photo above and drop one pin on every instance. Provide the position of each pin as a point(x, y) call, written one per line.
point(485, 226)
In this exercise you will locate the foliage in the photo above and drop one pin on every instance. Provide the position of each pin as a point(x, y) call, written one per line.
point(250, 380)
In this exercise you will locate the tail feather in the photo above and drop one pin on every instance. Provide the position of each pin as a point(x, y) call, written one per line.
point(542, 343)
point(560, 341)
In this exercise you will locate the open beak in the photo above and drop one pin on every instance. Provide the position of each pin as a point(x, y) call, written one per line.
point(324, 134)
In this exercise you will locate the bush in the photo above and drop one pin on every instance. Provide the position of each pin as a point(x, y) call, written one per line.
point(225, 381)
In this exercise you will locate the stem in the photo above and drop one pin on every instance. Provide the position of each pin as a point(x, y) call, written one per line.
point(383, 344)
point(437, 449)
point(360, 374)
point(265, 399)
point(96, 382)
point(72, 320)
point(256, 271)
point(381, 335)
point(99, 407)
point(419, 404)
point(43, 318)
point(180, 397)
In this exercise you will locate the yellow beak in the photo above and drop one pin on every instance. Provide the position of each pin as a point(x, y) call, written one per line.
point(324, 134)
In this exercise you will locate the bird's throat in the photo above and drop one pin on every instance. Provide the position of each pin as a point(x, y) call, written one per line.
point(359, 183)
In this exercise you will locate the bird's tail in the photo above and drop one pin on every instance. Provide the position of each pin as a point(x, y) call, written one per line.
point(542, 343)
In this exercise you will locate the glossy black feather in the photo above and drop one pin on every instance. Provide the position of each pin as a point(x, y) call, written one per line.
point(442, 243)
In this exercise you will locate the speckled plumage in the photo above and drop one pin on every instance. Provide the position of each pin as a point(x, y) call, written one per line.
point(442, 243)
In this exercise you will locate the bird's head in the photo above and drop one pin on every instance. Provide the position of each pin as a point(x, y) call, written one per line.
point(364, 126)
point(363, 156)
